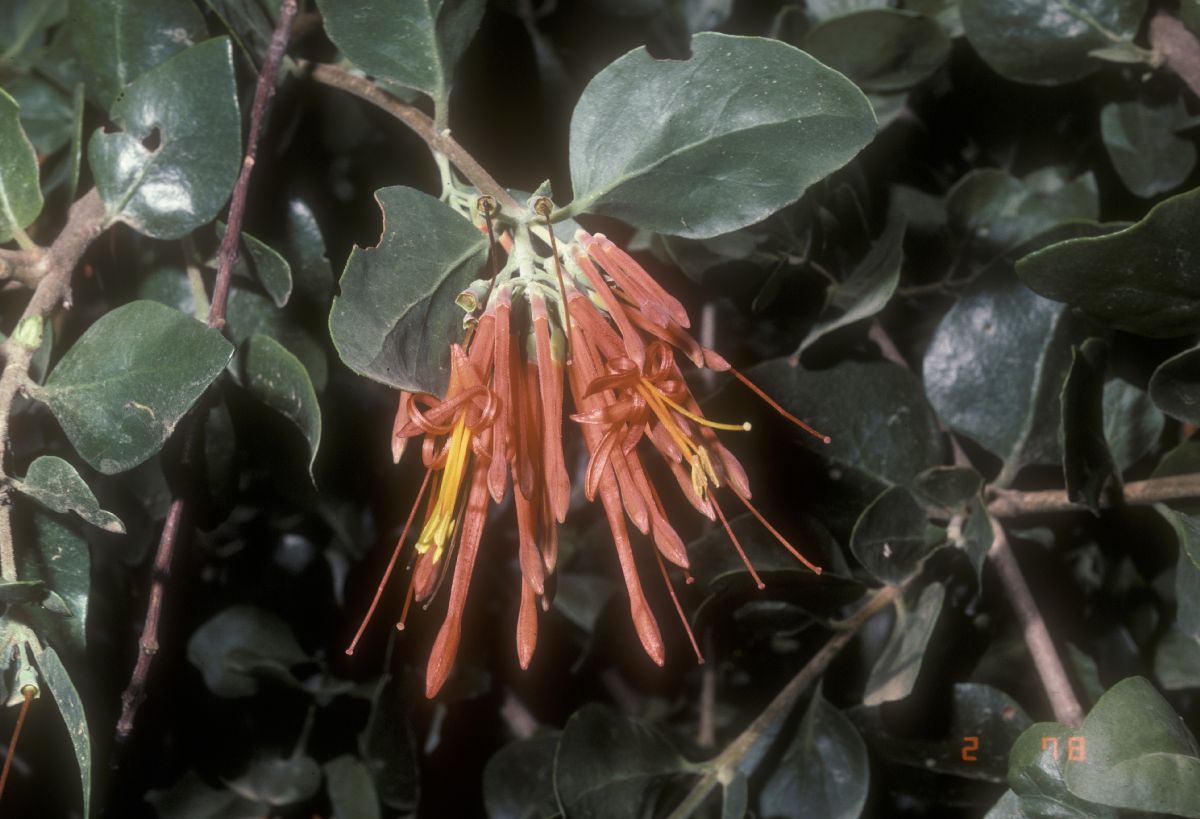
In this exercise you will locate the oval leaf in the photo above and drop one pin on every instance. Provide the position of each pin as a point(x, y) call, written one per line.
point(880, 49)
point(119, 40)
point(70, 706)
point(889, 537)
point(396, 317)
point(60, 559)
point(647, 134)
point(1175, 386)
point(240, 644)
point(20, 196)
point(279, 380)
point(413, 42)
point(186, 110)
point(1145, 151)
point(121, 389)
point(895, 672)
point(1047, 42)
point(1140, 279)
point(56, 485)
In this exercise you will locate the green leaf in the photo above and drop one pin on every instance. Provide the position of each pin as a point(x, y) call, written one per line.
point(609, 765)
point(415, 43)
point(1177, 660)
point(875, 413)
point(191, 798)
point(1089, 471)
point(647, 134)
point(518, 780)
point(351, 791)
point(20, 196)
point(895, 672)
point(1132, 424)
point(182, 180)
point(823, 772)
point(1139, 279)
point(1036, 772)
point(396, 318)
point(1001, 211)
point(250, 314)
point(1140, 754)
point(880, 49)
point(270, 268)
point(1047, 42)
point(869, 286)
point(976, 537)
point(889, 538)
point(947, 488)
point(124, 385)
point(1141, 142)
point(389, 749)
point(58, 681)
point(23, 26)
point(274, 780)
point(278, 379)
point(120, 40)
point(1175, 386)
point(994, 368)
point(980, 711)
point(56, 485)
point(240, 644)
point(46, 113)
point(22, 591)
point(59, 559)
point(304, 248)
point(1187, 569)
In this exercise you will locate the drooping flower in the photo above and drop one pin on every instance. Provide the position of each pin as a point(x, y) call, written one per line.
point(589, 310)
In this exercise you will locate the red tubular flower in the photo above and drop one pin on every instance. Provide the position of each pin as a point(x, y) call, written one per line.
point(501, 417)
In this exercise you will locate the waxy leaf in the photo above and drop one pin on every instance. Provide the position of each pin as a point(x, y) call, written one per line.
point(277, 781)
point(250, 314)
point(396, 318)
point(20, 196)
point(1047, 42)
point(1089, 471)
point(825, 768)
point(59, 559)
point(947, 488)
point(279, 380)
point(172, 166)
point(1141, 142)
point(889, 538)
point(121, 389)
point(119, 40)
point(269, 267)
point(881, 49)
point(895, 672)
point(609, 765)
point(995, 366)
point(56, 485)
point(351, 791)
point(1140, 279)
point(70, 706)
point(1177, 660)
point(46, 113)
point(304, 248)
point(1000, 211)
point(875, 413)
point(23, 27)
point(239, 645)
point(389, 749)
point(1132, 422)
point(1037, 768)
point(415, 43)
point(192, 798)
point(647, 134)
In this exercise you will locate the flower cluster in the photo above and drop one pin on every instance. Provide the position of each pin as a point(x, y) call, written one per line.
point(590, 309)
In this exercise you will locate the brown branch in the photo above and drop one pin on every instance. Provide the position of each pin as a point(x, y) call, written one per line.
point(52, 269)
point(1033, 626)
point(727, 762)
point(20, 266)
point(264, 92)
point(420, 123)
point(173, 528)
point(1177, 48)
point(1009, 503)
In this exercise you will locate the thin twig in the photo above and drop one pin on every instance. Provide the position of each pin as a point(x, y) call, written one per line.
point(419, 122)
point(173, 528)
point(1053, 675)
point(264, 91)
point(53, 268)
point(721, 768)
point(1177, 48)
point(1009, 503)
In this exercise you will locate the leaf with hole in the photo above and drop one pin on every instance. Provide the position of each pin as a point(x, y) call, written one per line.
point(124, 385)
point(396, 318)
point(646, 135)
point(171, 167)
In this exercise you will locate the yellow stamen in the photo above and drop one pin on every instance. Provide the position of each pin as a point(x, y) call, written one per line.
point(696, 455)
point(439, 524)
point(742, 427)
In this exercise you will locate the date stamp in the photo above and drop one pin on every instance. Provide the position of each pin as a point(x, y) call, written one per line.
point(1076, 748)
